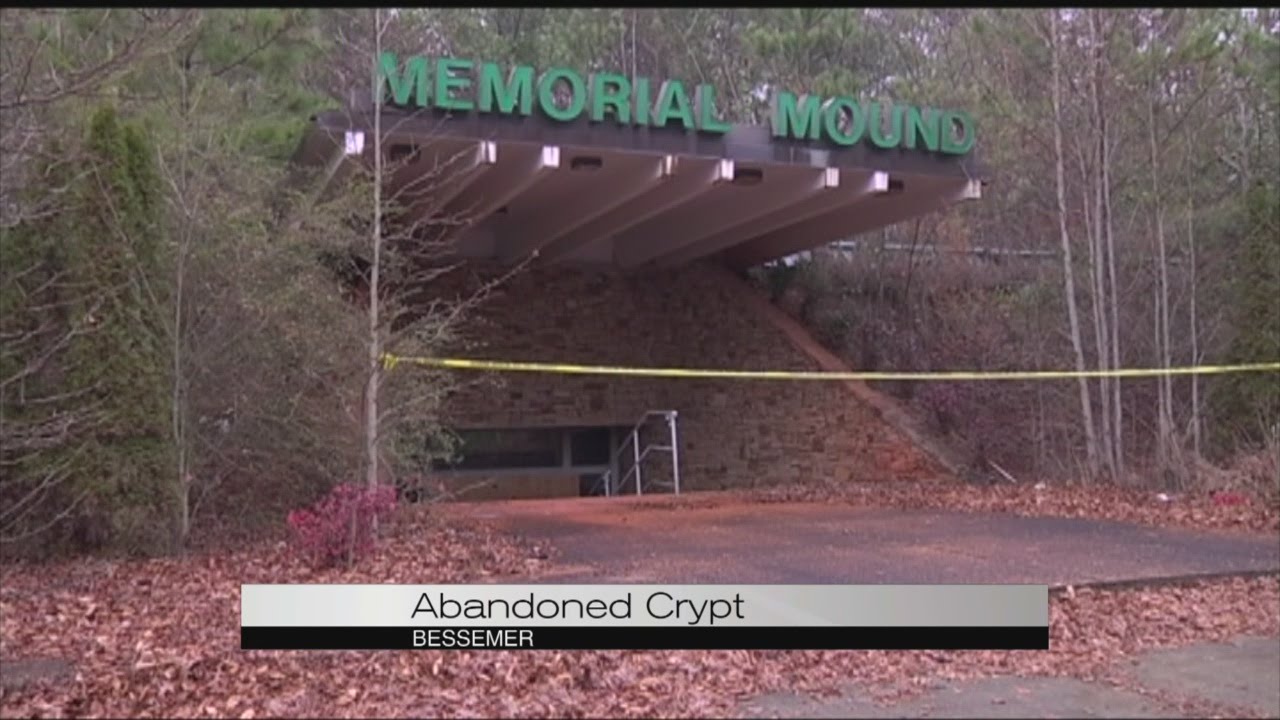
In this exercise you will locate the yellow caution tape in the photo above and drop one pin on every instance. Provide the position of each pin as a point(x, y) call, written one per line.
point(390, 361)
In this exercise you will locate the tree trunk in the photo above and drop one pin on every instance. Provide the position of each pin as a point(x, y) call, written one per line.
point(178, 396)
point(1108, 355)
point(178, 405)
point(1164, 422)
point(1090, 207)
point(1195, 331)
point(1117, 408)
point(375, 269)
point(1099, 304)
point(1068, 273)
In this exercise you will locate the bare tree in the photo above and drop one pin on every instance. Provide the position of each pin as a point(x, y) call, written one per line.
point(1165, 441)
point(1068, 272)
point(1194, 331)
point(1106, 300)
point(228, 295)
point(51, 56)
point(375, 340)
point(404, 240)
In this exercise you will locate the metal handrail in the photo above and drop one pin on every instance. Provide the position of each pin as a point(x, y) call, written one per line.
point(638, 455)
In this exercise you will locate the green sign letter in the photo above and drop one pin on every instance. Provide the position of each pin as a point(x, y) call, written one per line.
point(705, 97)
point(834, 115)
point(517, 90)
point(642, 103)
point(876, 121)
point(414, 82)
point(610, 90)
point(447, 82)
point(547, 94)
point(949, 121)
point(796, 118)
point(921, 124)
point(672, 100)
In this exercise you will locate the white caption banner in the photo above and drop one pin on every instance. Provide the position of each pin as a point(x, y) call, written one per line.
point(644, 605)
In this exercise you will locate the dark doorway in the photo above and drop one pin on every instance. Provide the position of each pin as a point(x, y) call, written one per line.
point(591, 446)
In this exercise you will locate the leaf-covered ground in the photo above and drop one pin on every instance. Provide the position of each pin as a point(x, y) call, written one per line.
point(161, 638)
point(1201, 510)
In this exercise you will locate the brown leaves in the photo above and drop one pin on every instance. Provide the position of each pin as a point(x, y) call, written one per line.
point(161, 638)
point(1196, 510)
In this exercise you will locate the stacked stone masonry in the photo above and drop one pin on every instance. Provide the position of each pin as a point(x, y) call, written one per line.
point(733, 433)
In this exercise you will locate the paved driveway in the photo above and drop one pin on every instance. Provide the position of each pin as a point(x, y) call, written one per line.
point(621, 540)
point(1241, 677)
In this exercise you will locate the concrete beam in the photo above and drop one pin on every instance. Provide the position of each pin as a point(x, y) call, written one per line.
point(850, 191)
point(645, 244)
point(435, 182)
point(874, 212)
point(692, 178)
point(499, 187)
point(523, 236)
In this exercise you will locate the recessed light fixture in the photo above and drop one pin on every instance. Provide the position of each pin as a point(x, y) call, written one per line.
point(586, 162)
point(354, 142)
point(747, 176)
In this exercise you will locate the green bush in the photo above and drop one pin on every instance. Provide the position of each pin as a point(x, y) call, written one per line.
point(1248, 404)
point(86, 437)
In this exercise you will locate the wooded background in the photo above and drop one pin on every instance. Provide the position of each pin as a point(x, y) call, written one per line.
point(178, 351)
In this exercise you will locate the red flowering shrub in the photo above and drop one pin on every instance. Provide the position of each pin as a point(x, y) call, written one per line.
point(339, 528)
point(1229, 498)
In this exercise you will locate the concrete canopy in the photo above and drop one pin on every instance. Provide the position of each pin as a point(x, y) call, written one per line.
point(631, 197)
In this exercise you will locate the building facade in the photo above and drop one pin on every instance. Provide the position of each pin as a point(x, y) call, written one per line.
point(552, 435)
point(635, 224)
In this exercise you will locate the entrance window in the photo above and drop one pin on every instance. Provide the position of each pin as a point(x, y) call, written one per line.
point(590, 447)
point(575, 448)
point(501, 449)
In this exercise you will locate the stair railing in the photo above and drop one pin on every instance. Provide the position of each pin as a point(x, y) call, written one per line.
point(613, 486)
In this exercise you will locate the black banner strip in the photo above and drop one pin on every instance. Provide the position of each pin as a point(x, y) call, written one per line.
point(644, 638)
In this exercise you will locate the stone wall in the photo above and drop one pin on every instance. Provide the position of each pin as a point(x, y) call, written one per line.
point(733, 433)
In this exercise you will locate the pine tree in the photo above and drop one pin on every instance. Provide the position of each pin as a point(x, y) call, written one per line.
point(1250, 403)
